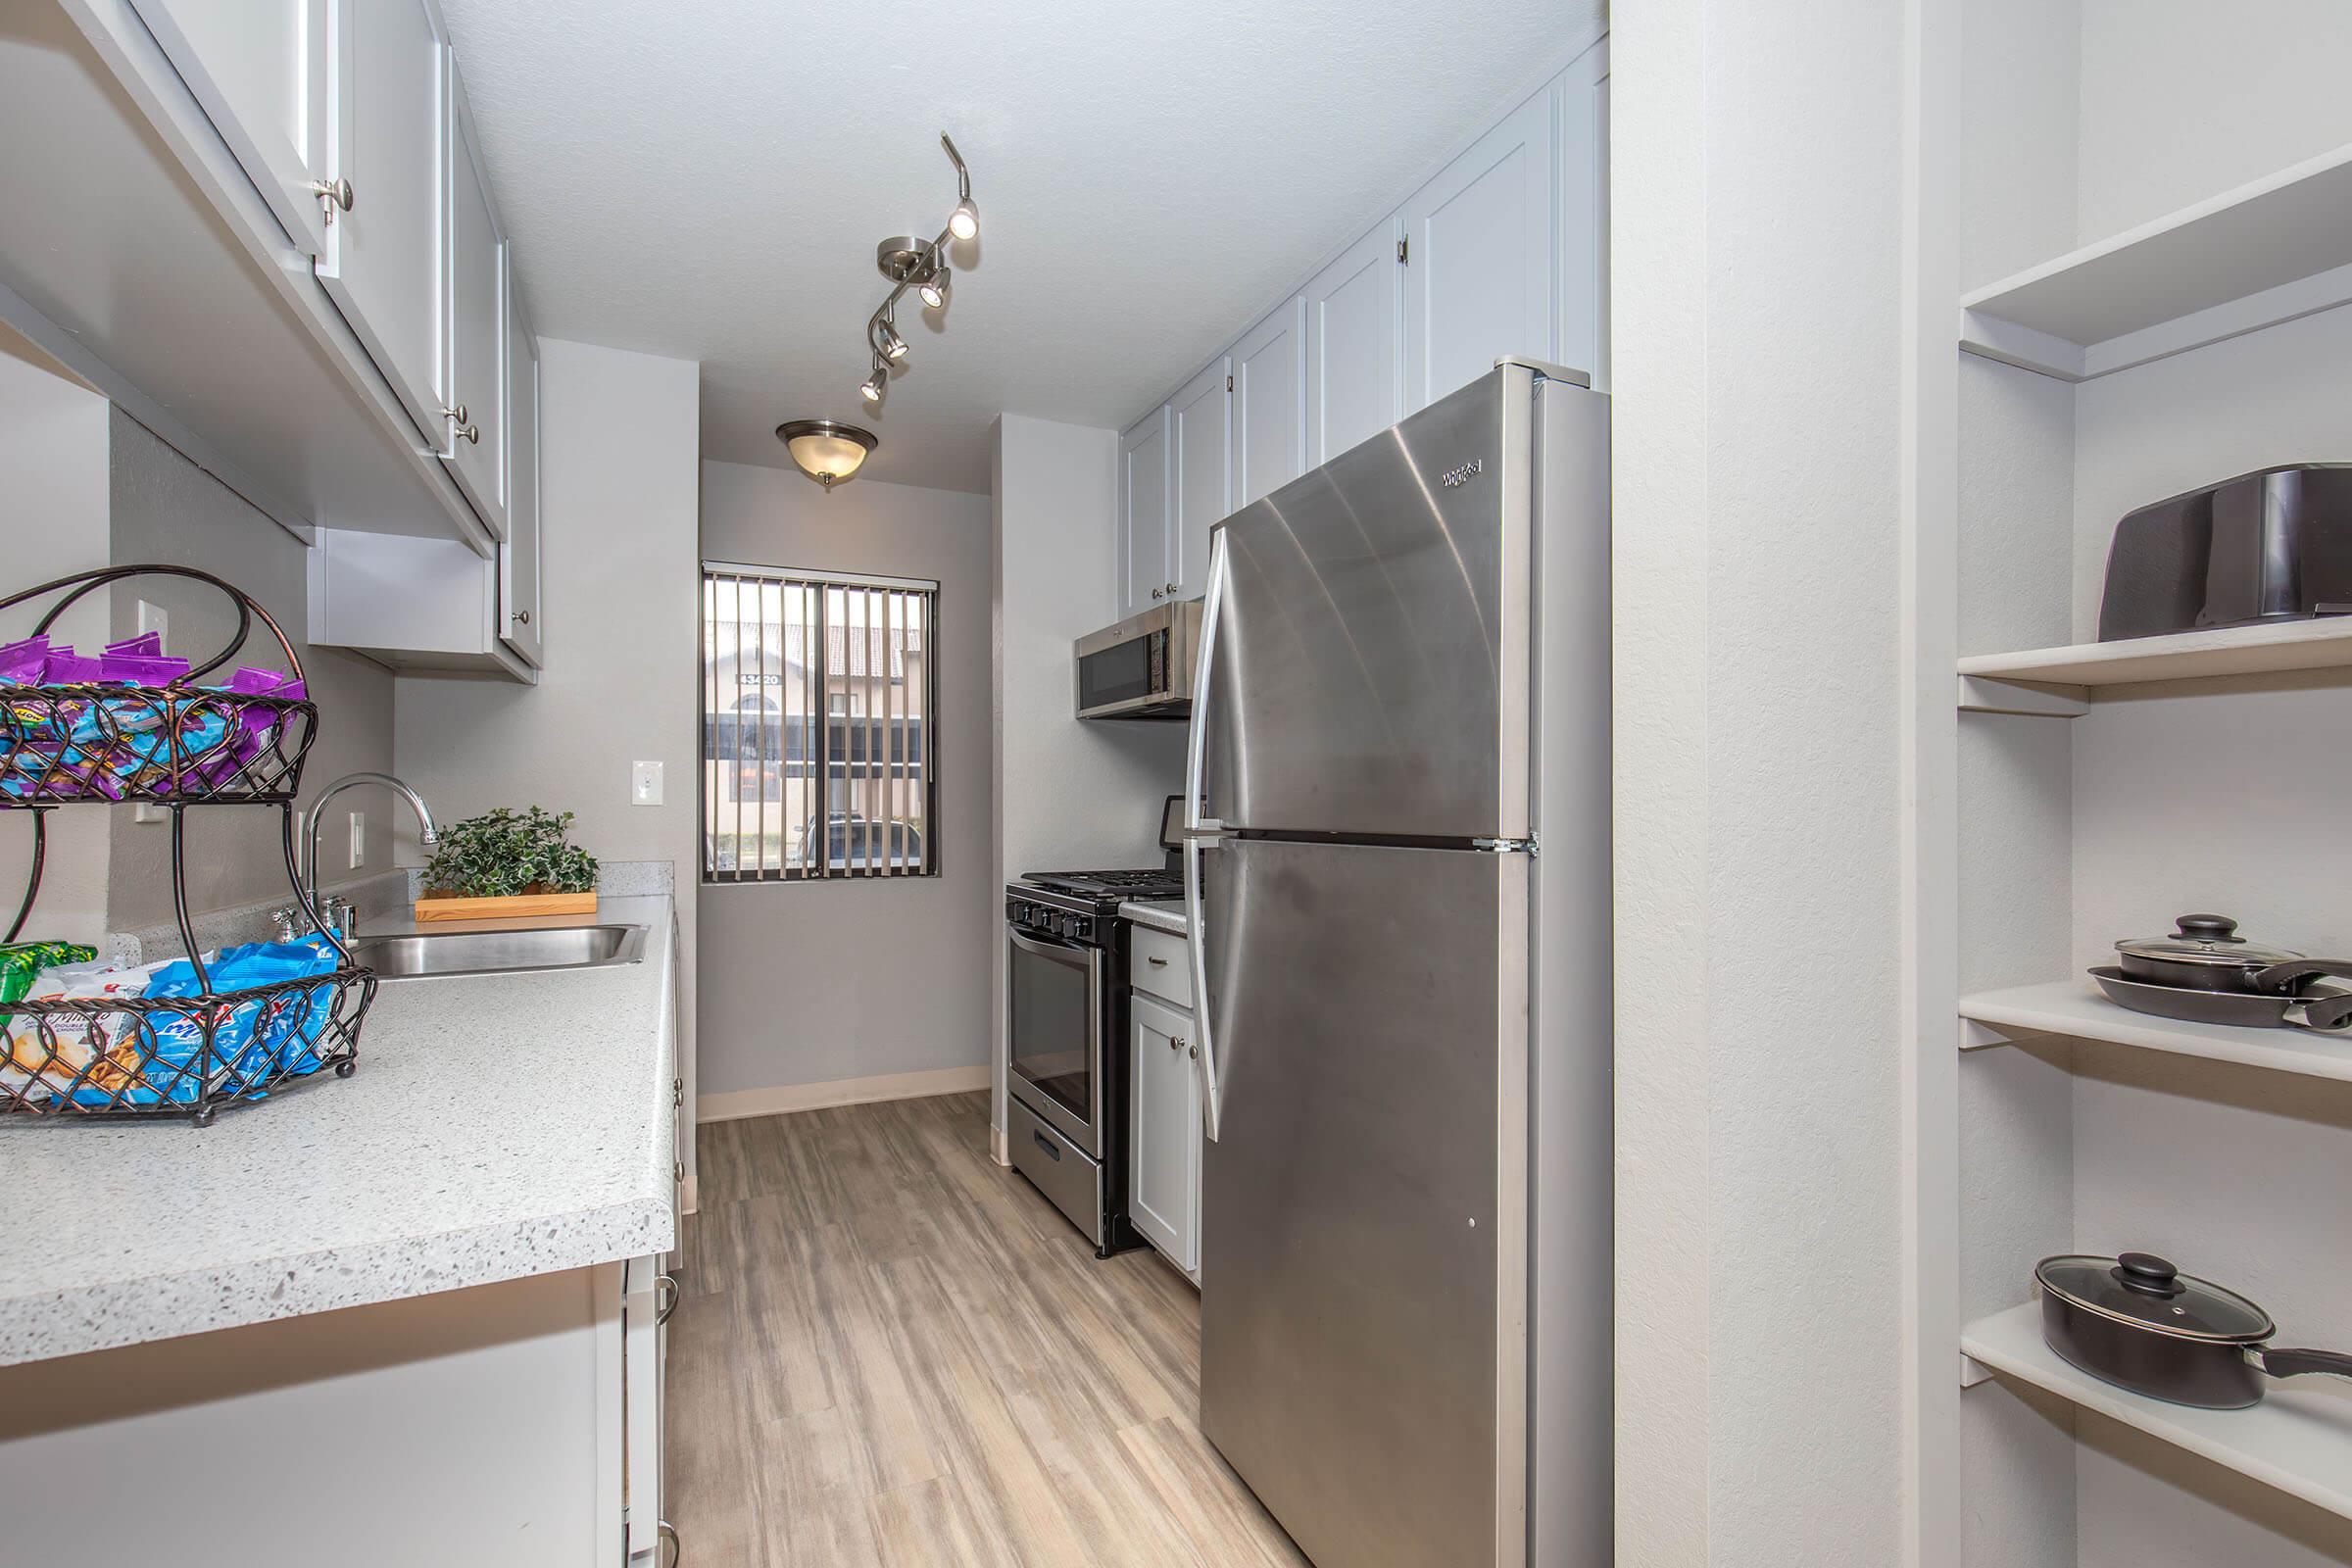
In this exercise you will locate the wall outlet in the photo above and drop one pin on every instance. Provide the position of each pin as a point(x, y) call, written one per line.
point(645, 783)
point(153, 620)
point(358, 840)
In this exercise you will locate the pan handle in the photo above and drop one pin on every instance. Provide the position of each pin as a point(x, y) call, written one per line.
point(2296, 1363)
point(2328, 1012)
point(2280, 978)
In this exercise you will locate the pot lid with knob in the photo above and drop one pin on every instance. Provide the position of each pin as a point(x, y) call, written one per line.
point(2210, 940)
point(2148, 1291)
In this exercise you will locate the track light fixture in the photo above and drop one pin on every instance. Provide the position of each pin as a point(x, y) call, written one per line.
point(921, 265)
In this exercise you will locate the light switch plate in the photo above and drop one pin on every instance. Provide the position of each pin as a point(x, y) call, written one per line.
point(358, 840)
point(645, 783)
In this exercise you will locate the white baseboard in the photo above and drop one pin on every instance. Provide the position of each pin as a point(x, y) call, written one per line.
point(739, 1104)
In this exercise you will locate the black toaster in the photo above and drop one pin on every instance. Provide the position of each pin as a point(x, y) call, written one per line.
point(2276, 545)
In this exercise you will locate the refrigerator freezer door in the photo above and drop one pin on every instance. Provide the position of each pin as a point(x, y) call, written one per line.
point(1365, 1228)
point(1371, 650)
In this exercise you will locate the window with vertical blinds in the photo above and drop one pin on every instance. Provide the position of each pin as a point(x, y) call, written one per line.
point(818, 726)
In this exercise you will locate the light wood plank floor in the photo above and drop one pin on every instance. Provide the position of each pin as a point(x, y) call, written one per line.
point(890, 1350)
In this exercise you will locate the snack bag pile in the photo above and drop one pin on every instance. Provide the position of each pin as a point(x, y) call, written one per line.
point(106, 1057)
point(89, 742)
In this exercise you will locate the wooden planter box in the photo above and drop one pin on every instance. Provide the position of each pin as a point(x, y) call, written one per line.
point(513, 907)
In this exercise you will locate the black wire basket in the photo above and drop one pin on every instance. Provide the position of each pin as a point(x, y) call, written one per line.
point(178, 746)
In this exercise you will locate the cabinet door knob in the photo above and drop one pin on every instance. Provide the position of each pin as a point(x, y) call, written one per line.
point(473, 433)
point(1155, 593)
point(524, 617)
point(458, 413)
point(1175, 1042)
point(1171, 590)
point(1194, 1052)
point(331, 194)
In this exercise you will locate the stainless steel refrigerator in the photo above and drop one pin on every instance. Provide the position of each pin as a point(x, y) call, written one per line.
point(1398, 868)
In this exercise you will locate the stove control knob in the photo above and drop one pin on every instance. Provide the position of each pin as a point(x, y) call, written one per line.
point(1082, 928)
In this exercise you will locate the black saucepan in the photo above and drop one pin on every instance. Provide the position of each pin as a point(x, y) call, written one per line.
point(2139, 1323)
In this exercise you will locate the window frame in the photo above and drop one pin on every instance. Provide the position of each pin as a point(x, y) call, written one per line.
point(822, 764)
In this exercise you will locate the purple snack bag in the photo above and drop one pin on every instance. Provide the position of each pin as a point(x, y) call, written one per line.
point(146, 644)
point(21, 662)
point(66, 667)
point(141, 669)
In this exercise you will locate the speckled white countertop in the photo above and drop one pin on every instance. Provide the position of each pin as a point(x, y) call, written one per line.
point(498, 1126)
point(1161, 916)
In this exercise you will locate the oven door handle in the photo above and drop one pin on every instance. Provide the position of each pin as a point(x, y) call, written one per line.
point(1052, 951)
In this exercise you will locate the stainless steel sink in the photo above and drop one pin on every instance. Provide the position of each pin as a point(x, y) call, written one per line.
point(429, 955)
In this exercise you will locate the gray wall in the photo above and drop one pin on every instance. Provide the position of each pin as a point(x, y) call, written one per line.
point(53, 458)
point(812, 983)
point(1757, 231)
point(619, 434)
point(1068, 795)
point(165, 509)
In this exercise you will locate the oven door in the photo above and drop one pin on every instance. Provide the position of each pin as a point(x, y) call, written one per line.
point(1055, 1033)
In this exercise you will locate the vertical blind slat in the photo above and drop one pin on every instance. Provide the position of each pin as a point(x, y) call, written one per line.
point(793, 647)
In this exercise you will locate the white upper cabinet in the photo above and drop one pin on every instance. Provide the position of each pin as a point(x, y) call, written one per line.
point(1145, 482)
point(1200, 420)
point(1354, 320)
point(1269, 404)
point(260, 69)
point(519, 615)
point(1479, 272)
point(383, 265)
point(477, 324)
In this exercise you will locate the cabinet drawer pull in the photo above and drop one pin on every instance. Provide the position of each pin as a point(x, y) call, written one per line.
point(668, 1537)
point(1155, 961)
point(665, 1298)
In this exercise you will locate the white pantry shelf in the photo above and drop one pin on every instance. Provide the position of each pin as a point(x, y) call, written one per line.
point(2299, 1439)
point(2265, 253)
point(2278, 647)
point(2075, 1009)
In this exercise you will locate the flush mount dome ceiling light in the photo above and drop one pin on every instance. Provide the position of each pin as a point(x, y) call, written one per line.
point(921, 265)
point(826, 449)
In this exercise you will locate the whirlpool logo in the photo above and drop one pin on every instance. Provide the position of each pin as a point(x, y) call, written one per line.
point(1453, 477)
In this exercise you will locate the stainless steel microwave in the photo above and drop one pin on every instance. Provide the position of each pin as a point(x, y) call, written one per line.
point(1142, 667)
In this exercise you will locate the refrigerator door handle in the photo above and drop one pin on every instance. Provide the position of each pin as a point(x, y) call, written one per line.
point(1196, 750)
point(1212, 1085)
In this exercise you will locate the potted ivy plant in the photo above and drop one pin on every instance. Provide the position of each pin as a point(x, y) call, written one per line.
point(508, 862)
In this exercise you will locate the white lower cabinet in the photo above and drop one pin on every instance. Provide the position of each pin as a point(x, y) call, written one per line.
point(646, 1297)
point(1163, 1192)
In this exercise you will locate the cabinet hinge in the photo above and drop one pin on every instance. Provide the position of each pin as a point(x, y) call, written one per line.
point(1401, 252)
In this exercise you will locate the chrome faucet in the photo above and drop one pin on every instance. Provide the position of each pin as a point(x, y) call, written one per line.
point(337, 912)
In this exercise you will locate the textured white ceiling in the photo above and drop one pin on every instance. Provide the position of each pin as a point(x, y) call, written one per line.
point(708, 180)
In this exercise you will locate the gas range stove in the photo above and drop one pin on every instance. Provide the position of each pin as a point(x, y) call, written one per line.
point(1119, 887)
point(1083, 906)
